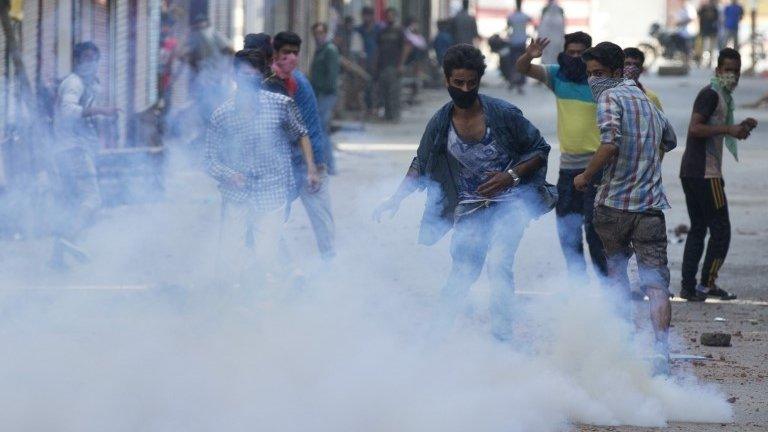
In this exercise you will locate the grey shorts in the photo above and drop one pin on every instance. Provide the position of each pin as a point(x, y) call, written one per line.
point(645, 234)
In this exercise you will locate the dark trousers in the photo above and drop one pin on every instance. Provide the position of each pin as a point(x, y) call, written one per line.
point(708, 210)
point(574, 211)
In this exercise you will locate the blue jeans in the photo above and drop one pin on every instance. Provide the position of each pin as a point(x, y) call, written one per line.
point(318, 207)
point(325, 106)
point(489, 234)
point(575, 211)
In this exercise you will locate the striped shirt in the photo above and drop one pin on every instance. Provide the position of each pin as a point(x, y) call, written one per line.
point(627, 119)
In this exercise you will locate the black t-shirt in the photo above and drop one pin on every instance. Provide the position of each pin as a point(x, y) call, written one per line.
point(391, 41)
point(708, 20)
point(703, 157)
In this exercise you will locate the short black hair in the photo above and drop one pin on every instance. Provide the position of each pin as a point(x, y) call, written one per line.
point(260, 41)
point(367, 10)
point(253, 57)
point(578, 37)
point(410, 20)
point(463, 56)
point(728, 53)
point(465, 4)
point(320, 24)
point(633, 52)
point(607, 54)
point(82, 47)
point(443, 25)
point(393, 10)
point(285, 38)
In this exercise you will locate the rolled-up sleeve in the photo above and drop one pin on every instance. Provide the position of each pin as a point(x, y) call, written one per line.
point(609, 119)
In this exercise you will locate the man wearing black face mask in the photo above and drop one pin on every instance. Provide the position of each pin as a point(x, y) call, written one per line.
point(483, 165)
point(579, 139)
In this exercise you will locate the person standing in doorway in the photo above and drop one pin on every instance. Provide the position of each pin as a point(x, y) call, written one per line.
point(579, 139)
point(711, 126)
point(324, 76)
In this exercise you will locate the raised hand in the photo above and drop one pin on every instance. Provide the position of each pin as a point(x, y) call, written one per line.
point(536, 48)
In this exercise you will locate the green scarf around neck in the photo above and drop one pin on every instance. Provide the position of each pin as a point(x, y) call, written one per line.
point(730, 142)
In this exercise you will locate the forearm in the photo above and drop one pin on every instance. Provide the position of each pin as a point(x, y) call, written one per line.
point(406, 52)
point(703, 130)
point(408, 186)
point(523, 64)
point(529, 167)
point(600, 159)
point(306, 151)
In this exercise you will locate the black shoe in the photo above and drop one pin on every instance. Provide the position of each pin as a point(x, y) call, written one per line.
point(692, 295)
point(715, 292)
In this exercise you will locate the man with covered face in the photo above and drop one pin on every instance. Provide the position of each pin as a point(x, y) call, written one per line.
point(630, 198)
point(483, 165)
point(711, 126)
point(75, 146)
point(579, 138)
point(248, 152)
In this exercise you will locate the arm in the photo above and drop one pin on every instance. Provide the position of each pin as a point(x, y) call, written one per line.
point(604, 154)
point(297, 130)
point(214, 140)
point(534, 50)
point(307, 104)
point(407, 48)
point(333, 68)
point(703, 107)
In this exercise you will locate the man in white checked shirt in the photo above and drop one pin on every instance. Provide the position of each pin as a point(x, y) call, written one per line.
point(248, 152)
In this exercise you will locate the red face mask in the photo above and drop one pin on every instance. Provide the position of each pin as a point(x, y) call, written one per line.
point(285, 64)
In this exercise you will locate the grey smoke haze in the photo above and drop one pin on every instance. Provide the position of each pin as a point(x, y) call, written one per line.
point(351, 351)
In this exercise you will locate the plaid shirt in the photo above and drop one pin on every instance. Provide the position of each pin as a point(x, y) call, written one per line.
point(256, 142)
point(627, 119)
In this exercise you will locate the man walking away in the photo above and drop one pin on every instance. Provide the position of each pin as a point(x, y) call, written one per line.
point(483, 165)
point(552, 27)
point(324, 76)
point(392, 52)
point(630, 198)
point(634, 61)
point(248, 152)
point(74, 153)
point(517, 24)
point(443, 40)
point(701, 173)
point(464, 26)
point(732, 16)
point(709, 28)
point(579, 139)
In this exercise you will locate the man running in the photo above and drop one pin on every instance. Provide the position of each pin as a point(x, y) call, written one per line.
point(483, 165)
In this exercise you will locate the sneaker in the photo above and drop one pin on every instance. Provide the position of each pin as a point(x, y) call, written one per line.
point(692, 295)
point(715, 292)
point(660, 364)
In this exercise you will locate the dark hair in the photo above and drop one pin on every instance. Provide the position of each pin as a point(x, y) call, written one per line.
point(607, 54)
point(463, 56)
point(261, 41)
point(285, 38)
point(635, 53)
point(198, 18)
point(578, 37)
point(443, 25)
point(253, 57)
point(320, 24)
point(728, 53)
point(393, 10)
point(465, 4)
point(82, 47)
point(367, 10)
point(408, 21)
point(519, 4)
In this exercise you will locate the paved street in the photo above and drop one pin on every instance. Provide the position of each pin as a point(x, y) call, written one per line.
point(138, 249)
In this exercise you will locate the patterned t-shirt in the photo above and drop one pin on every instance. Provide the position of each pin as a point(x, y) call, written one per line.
point(476, 159)
point(255, 141)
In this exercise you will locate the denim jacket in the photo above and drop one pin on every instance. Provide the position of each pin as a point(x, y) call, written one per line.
point(438, 170)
